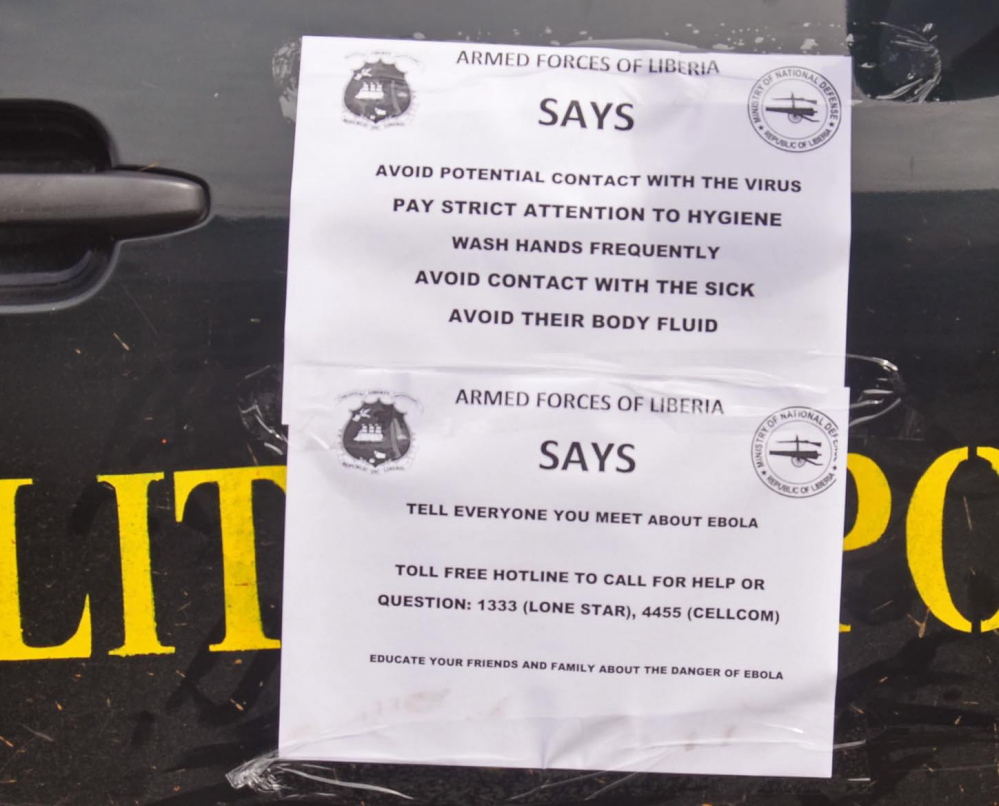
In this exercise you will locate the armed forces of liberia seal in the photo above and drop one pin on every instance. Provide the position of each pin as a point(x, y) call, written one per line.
point(377, 93)
point(795, 452)
point(377, 434)
point(795, 109)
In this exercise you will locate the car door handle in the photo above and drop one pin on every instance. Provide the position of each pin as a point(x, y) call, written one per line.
point(67, 204)
point(123, 204)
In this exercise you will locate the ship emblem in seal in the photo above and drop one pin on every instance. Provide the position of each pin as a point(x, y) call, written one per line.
point(378, 92)
point(376, 434)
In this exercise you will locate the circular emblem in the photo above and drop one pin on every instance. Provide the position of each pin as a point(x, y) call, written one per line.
point(795, 452)
point(795, 109)
point(376, 433)
point(377, 92)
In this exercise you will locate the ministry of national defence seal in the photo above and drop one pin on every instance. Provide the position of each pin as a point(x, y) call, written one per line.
point(795, 109)
point(795, 452)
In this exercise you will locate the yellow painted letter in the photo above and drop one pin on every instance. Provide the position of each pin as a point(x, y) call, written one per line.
point(873, 503)
point(243, 627)
point(138, 604)
point(991, 455)
point(12, 646)
point(873, 506)
point(924, 539)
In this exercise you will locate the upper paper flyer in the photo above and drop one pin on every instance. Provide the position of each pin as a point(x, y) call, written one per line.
point(461, 205)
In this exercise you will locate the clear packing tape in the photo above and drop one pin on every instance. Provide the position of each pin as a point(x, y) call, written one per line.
point(292, 778)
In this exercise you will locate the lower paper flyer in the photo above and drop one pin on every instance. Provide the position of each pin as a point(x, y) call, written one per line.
point(555, 571)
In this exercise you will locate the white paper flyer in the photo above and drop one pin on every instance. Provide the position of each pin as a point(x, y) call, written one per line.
point(539, 571)
point(563, 374)
point(459, 205)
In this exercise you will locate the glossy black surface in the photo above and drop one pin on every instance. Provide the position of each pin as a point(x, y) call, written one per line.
point(158, 370)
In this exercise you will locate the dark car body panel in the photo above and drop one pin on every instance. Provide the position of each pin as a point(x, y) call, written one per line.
point(175, 365)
